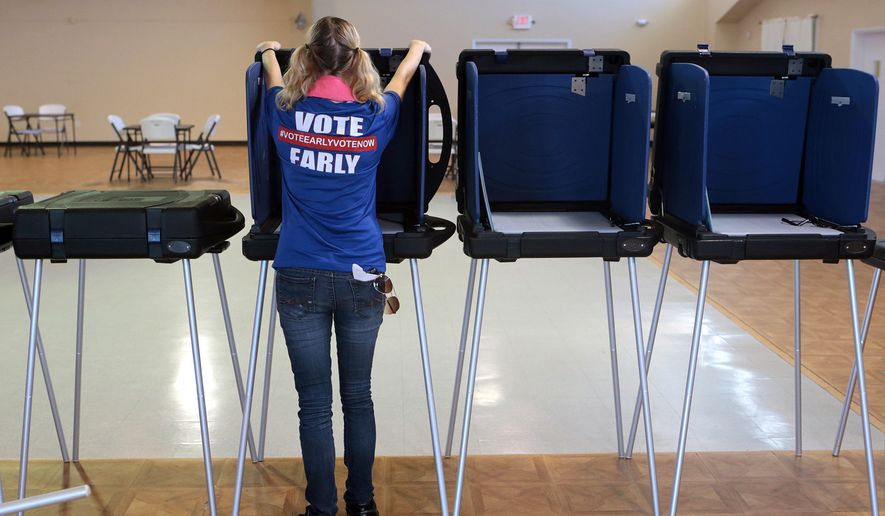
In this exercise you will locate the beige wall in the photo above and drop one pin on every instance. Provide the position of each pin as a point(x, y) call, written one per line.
point(451, 25)
point(836, 21)
point(136, 57)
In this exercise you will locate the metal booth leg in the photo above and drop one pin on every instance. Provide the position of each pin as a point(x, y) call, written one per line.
point(459, 369)
point(652, 335)
point(231, 341)
point(471, 383)
point(643, 384)
point(689, 385)
point(198, 375)
point(268, 366)
point(797, 354)
point(428, 387)
point(613, 350)
point(78, 357)
point(29, 380)
point(250, 384)
point(44, 366)
point(849, 390)
point(862, 386)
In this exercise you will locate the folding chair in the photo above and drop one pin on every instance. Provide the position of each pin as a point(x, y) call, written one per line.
point(202, 146)
point(22, 135)
point(125, 149)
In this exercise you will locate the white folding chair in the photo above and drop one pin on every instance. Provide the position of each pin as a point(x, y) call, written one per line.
point(160, 137)
point(125, 148)
point(203, 146)
point(58, 125)
point(23, 135)
point(174, 116)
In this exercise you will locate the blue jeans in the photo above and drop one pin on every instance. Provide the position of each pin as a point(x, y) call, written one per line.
point(309, 301)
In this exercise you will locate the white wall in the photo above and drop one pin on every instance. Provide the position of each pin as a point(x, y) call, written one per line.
point(450, 26)
point(135, 57)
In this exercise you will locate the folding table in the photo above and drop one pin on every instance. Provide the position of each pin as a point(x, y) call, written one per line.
point(763, 156)
point(165, 226)
point(406, 182)
point(553, 163)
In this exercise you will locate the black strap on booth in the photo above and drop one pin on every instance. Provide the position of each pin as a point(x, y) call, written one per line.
point(153, 218)
point(57, 234)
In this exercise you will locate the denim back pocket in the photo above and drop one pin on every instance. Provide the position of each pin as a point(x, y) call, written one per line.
point(295, 296)
point(367, 300)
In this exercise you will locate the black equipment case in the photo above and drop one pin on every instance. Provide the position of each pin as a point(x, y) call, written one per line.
point(162, 225)
point(9, 202)
point(407, 179)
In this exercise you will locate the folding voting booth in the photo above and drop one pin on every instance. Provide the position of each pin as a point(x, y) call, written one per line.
point(165, 226)
point(407, 180)
point(763, 156)
point(553, 161)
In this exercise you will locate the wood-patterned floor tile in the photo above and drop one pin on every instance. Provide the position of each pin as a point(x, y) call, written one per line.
point(603, 469)
point(507, 469)
point(516, 498)
point(593, 498)
point(423, 499)
point(779, 495)
point(269, 473)
point(737, 465)
point(166, 501)
point(176, 473)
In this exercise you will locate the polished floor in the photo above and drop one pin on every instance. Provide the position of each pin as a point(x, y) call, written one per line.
point(544, 382)
point(769, 483)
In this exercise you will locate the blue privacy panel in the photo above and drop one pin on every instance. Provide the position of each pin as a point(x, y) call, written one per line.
point(542, 143)
point(629, 149)
point(471, 143)
point(264, 167)
point(756, 139)
point(401, 170)
point(682, 159)
point(839, 153)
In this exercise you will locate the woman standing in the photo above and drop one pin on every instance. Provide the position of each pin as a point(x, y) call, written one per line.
point(331, 122)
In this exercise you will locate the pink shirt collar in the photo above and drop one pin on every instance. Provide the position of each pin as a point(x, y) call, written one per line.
point(332, 88)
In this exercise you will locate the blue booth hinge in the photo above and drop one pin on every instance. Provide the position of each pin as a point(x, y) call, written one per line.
point(704, 49)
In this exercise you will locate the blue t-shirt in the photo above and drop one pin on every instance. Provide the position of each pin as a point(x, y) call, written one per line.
point(329, 153)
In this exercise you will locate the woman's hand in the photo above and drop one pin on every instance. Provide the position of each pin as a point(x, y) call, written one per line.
point(264, 45)
point(422, 46)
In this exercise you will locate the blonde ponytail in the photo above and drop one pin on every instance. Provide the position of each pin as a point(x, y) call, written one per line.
point(363, 78)
point(333, 48)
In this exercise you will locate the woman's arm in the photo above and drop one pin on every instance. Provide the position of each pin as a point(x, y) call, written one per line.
point(407, 68)
point(269, 60)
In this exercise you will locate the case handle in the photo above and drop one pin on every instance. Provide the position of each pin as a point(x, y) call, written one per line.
point(436, 96)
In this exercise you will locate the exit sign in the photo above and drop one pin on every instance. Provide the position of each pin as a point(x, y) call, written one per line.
point(522, 21)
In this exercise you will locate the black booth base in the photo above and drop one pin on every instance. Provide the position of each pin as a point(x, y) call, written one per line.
point(165, 226)
point(719, 248)
point(403, 245)
point(481, 243)
point(878, 258)
point(5, 237)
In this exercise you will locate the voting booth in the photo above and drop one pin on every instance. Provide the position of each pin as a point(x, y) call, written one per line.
point(165, 226)
point(407, 180)
point(763, 156)
point(553, 163)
